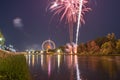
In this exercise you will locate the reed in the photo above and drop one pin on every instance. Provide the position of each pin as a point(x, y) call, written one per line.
point(13, 67)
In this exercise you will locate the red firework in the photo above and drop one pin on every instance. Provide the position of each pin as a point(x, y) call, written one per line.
point(69, 9)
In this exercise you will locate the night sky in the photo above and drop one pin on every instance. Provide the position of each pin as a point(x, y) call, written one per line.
point(34, 24)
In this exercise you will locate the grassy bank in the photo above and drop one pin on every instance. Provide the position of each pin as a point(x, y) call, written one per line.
point(13, 67)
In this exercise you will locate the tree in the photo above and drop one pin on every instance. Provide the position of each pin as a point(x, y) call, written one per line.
point(92, 47)
point(107, 38)
point(111, 36)
point(118, 46)
point(2, 39)
point(81, 48)
point(108, 48)
point(101, 40)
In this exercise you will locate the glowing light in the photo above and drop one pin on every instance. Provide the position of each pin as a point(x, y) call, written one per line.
point(42, 60)
point(49, 68)
point(49, 65)
point(58, 51)
point(29, 59)
point(71, 48)
point(79, 17)
point(37, 58)
point(33, 60)
point(77, 68)
point(59, 60)
point(41, 51)
point(1, 39)
point(70, 8)
point(72, 11)
point(54, 5)
point(48, 44)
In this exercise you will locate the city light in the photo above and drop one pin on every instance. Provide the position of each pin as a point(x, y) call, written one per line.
point(1, 39)
point(59, 51)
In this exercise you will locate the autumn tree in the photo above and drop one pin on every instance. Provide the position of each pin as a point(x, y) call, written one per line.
point(81, 48)
point(92, 47)
point(108, 48)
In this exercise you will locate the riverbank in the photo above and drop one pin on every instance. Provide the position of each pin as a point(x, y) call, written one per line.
point(13, 67)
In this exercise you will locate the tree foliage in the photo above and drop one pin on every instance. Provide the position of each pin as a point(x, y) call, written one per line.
point(2, 39)
point(107, 48)
point(102, 45)
point(118, 46)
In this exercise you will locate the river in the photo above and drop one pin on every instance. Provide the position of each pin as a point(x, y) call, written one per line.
point(73, 67)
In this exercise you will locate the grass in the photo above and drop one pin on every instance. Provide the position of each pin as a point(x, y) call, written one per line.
point(13, 67)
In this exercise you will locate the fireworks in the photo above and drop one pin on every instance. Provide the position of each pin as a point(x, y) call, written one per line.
point(71, 10)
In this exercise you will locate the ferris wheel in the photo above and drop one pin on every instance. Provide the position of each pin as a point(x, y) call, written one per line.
point(48, 44)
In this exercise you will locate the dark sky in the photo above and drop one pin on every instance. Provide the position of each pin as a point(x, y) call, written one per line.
point(35, 26)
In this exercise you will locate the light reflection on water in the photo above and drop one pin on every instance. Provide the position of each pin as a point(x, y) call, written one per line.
point(73, 67)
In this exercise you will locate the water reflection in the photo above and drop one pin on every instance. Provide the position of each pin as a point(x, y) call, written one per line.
point(58, 60)
point(61, 67)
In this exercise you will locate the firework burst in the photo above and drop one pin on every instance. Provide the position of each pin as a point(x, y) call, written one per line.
point(70, 10)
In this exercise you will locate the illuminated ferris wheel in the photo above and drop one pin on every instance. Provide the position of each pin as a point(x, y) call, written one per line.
point(48, 44)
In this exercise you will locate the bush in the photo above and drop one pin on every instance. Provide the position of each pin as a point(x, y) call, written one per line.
point(14, 68)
